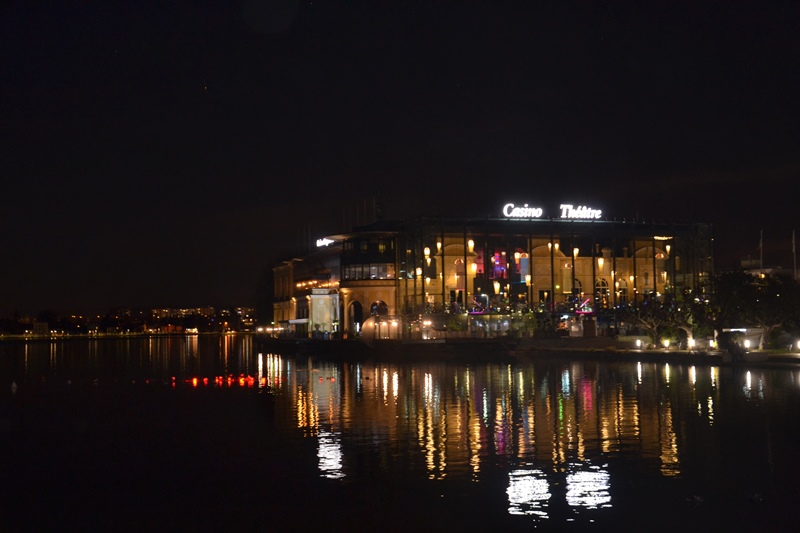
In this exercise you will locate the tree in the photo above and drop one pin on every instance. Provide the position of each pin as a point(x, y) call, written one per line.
point(775, 305)
point(734, 295)
point(651, 316)
point(691, 313)
point(767, 301)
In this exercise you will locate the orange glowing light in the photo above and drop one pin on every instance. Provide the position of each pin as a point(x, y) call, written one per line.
point(194, 382)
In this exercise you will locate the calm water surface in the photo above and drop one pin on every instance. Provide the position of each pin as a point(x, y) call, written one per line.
point(209, 432)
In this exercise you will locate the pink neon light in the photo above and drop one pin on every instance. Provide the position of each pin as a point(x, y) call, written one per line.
point(582, 306)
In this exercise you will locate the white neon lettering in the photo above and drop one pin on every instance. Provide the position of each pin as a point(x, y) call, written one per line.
point(522, 212)
point(568, 211)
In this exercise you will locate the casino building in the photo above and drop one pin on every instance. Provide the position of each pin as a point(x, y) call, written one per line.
point(475, 277)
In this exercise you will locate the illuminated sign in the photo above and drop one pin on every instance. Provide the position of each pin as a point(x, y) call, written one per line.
point(567, 211)
point(522, 212)
point(323, 242)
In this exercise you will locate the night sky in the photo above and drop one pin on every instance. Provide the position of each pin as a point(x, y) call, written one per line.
point(168, 153)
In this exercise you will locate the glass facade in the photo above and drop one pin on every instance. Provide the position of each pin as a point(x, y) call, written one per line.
point(507, 265)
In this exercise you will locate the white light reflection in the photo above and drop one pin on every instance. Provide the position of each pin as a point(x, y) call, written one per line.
point(693, 375)
point(639, 371)
point(330, 455)
point(589, 489)
point(528, 493)
point(427, 387)
point(751, 392)
point(275, 370)
point(485, 407)
point(666, 372)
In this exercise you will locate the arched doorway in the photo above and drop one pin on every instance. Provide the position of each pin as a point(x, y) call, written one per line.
point(356, 318)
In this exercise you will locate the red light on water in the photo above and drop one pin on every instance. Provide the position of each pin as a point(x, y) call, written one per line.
point(205, 381)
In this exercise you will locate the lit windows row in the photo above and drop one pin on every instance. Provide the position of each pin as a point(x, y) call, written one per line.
point(368, 271)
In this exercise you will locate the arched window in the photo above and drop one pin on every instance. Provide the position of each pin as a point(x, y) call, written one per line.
point(578, 286)
point(378, 308)
point(459, 273)
point(622, 291)
point(601, 291)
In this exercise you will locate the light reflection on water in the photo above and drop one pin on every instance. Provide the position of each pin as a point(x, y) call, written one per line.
point(554, 428)
point(556, 440)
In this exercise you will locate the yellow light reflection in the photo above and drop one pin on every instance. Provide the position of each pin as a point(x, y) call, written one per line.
point(670, 462)
point(710, 411)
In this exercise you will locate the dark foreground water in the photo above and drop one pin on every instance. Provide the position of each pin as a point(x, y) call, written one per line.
point(206, 433)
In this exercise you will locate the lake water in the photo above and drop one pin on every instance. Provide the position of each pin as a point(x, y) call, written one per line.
point(208, 432)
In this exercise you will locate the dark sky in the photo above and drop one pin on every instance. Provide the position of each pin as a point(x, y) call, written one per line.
point(166, 153)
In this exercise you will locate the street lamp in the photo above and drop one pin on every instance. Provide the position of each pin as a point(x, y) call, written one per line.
point(528, 289)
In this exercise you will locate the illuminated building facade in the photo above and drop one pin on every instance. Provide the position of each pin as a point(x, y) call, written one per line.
point(517, 262)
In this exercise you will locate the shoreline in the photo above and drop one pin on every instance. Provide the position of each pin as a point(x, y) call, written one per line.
point(520, 350)
point(31, 337)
